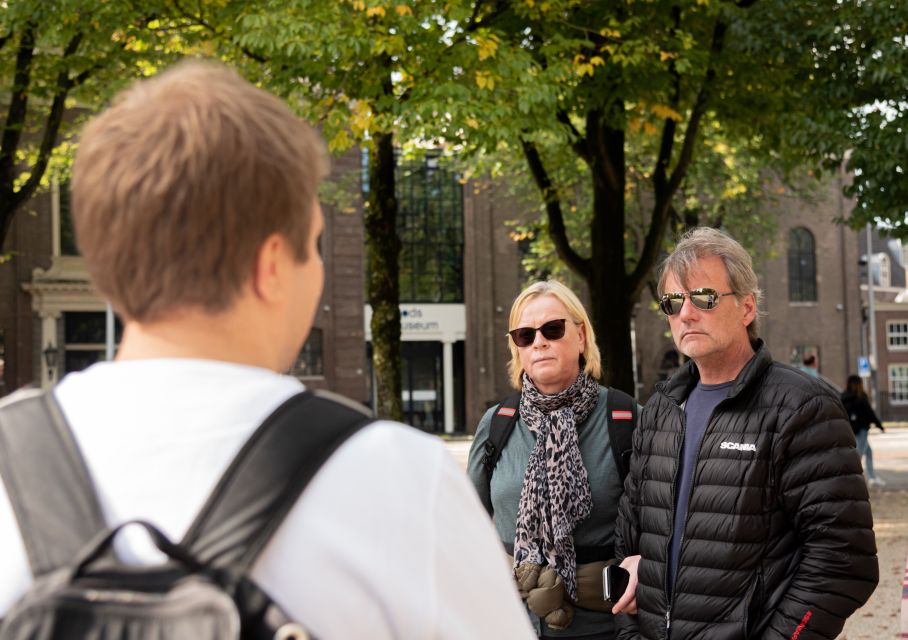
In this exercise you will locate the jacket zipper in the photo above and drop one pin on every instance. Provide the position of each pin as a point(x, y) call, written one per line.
point(671, 599)
point(690, 493)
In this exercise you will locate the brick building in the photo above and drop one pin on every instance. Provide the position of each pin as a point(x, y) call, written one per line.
point(460, 273)
point(887, 268)
point(53, 322)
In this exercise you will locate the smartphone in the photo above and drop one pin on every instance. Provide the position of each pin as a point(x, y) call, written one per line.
point(614, 582)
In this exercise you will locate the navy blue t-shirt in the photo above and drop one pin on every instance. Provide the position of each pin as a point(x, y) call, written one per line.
point(697, 411)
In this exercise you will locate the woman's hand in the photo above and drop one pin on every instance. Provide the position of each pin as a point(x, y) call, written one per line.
point(628, 602)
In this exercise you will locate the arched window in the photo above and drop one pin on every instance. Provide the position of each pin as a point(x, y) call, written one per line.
point(802, 266)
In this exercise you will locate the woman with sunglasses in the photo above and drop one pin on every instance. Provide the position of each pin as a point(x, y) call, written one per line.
point(555, 488)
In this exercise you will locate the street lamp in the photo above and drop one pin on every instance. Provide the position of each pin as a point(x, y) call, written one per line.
point(51, 359)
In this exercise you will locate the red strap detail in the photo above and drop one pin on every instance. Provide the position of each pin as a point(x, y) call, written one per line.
point(507, 411)
point(801, 626)
point(622, 415)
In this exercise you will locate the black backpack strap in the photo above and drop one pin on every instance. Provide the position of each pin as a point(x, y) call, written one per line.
point(622, 420)
point(503, 421)
point(267, 476)
point(47, 481)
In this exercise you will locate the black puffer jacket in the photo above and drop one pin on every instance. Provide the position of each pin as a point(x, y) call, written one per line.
point(778, 541)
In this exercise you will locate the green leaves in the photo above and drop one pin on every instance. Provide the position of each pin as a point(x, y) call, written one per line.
point(58, 55)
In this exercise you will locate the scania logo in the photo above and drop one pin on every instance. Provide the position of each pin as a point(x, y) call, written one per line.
point(738, 446)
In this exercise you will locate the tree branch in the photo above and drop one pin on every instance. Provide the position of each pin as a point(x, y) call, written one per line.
point(577, 144)
point(476, 20)
point(669, 128)
point(661, 207)
point(556, 228)
point(699, 110)
point(598, 143)
point(18, 108)
point(54, 120)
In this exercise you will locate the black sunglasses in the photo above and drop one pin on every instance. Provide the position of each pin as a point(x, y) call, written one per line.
point(525, 336)
point(704, 298)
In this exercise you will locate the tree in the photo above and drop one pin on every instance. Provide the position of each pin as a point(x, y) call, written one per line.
point(861, 119)
point(728, 187)
point(631, 90)
point(56, 59)
point(370, 73)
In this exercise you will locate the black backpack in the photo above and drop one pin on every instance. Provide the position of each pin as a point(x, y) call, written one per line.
point(622, 420)
point(79, 589)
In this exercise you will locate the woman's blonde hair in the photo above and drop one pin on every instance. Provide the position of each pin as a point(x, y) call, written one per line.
point(592, 362)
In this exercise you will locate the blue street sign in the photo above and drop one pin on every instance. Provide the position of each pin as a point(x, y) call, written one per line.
point(864, 366)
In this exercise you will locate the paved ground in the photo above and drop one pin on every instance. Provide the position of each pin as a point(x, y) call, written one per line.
point(879, 618)
point(460, 449)
point(890, 456)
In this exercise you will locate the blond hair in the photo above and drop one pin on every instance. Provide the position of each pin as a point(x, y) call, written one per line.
point(592, 361)
point(702, 242)
point(176, 186)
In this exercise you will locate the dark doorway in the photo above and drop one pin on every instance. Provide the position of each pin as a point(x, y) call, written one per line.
point(423, 385)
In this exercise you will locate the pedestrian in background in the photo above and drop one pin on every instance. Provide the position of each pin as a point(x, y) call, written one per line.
point(809, 365)
point(862, 416)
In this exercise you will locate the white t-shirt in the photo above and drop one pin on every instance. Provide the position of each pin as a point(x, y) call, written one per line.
point(388, 540)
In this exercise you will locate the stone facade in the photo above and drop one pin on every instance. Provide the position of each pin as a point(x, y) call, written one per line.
point(493, 278)
point(340, 315)
point(832, 323)
point(27, 247)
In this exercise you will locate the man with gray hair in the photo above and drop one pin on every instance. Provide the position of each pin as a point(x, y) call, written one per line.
point(745, 514)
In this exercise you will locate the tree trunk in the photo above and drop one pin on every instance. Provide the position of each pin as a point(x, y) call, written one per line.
point(383, 251)
point(7, 211)
point(611, 296)
point(611, 312)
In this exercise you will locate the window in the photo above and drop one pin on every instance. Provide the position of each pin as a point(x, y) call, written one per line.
point(84, 338)
point(310, 363)
point(897, 335)
point(802, 266)
point(430, 226)
point(885, 270)
point(63, 218)
point(898, 383)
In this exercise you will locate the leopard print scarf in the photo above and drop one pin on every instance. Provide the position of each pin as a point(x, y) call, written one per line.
point(556, 489)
